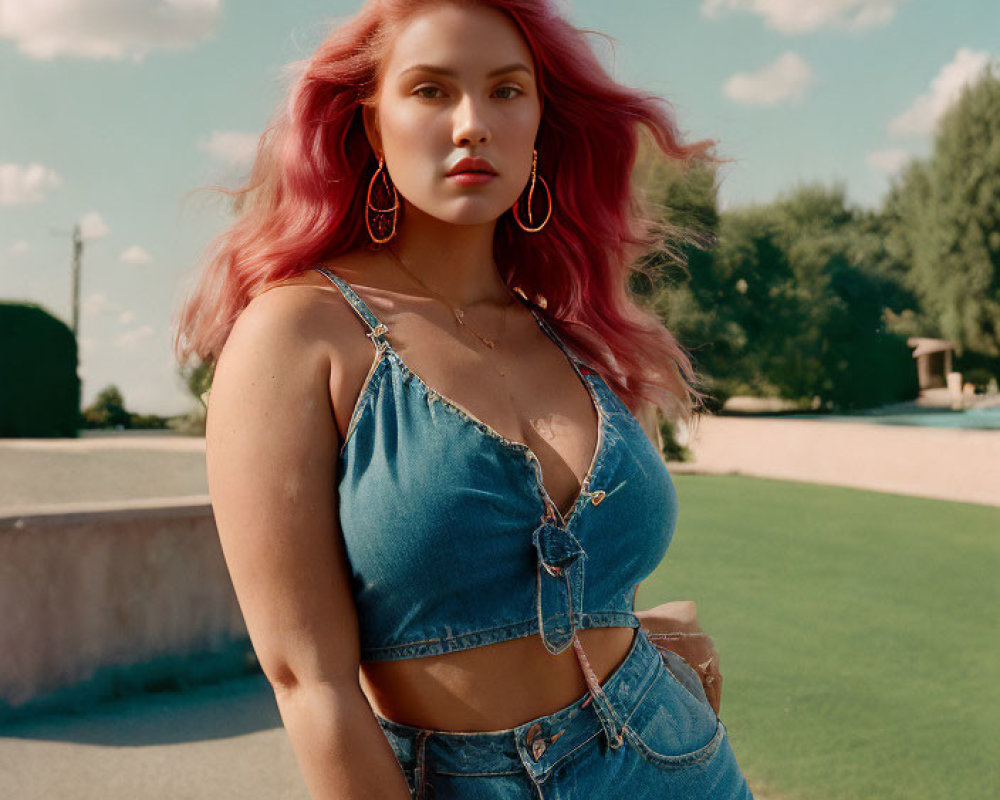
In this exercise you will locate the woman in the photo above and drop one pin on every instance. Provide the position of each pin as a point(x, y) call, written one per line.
point(423, 420)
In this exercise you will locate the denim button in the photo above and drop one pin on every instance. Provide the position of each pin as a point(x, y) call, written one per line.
point(535, 741)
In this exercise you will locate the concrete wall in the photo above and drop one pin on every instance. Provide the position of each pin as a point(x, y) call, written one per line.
point(99, 600)
point(949, 464)
point(102, 599)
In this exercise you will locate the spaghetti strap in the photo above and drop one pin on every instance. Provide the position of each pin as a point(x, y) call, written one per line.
point(376, 329)
point(574, 360)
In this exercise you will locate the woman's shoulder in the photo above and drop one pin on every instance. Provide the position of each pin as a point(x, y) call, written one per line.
point(300, 289)
point(307, 319)
point(301, 327)
point(305, 305)
point(298, 324)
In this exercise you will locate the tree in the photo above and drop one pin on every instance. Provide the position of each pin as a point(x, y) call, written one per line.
point(792, 303)
point(107, 410)
point(952, 210)
point(198, 379)
point(679, 281)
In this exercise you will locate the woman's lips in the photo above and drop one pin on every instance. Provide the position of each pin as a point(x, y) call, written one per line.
point(471, 178)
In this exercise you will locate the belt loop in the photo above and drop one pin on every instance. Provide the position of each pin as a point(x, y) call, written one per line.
point(602, 705)
point(420, 765)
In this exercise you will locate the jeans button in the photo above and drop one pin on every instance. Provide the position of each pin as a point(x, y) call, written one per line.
point(537, 748)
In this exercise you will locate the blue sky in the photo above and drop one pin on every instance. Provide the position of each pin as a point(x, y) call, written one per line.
point(114, 109)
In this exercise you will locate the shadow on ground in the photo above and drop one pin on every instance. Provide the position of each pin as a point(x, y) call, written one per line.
point(216, 711)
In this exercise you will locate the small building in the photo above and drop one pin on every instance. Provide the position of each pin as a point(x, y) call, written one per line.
point(934, 358)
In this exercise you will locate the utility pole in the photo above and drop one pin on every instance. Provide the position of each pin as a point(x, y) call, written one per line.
point(77, 257)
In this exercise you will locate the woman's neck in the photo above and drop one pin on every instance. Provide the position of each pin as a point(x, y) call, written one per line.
point(455, 260)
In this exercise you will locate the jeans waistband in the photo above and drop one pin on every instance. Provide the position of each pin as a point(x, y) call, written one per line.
point(536, 745)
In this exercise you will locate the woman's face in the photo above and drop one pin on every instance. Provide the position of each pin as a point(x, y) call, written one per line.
point(457, 83)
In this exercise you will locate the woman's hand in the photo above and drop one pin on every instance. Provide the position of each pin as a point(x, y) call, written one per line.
point(674, 626)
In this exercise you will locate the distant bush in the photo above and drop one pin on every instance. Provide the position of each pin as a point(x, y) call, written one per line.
point(108, 411)
point(198, 378)
point(874, 371)
point(148, 421)
point(672, 449)
point(979, 377)
point(190, 424)
point(39, 385)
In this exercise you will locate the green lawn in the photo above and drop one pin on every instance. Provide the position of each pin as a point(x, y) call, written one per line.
point(859, 635)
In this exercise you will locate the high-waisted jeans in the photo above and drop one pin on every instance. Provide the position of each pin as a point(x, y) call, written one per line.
point(648, 732)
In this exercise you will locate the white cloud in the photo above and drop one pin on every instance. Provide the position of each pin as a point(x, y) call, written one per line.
point(106, 29)
point(92, 226)
point(126, 318)
point(888, 161)
point(922, 116)
point(19, 247)
point(136, 255)
point(133, 338)
point(25, 184)
point(95, 304)
point(785, 78)
point(805, 16)
point(237, 148)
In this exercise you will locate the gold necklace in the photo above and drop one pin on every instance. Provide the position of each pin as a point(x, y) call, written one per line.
point(459, 313)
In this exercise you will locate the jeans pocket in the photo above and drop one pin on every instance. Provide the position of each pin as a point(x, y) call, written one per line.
point(685, 675)
point(672, 726)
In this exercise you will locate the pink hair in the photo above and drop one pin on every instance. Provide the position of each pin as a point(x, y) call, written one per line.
point(303, 203)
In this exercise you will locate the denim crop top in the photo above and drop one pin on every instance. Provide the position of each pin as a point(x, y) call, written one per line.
point(452, 539)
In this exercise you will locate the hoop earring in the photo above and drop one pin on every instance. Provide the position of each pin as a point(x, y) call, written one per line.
point(531, 193)
point(393, 209)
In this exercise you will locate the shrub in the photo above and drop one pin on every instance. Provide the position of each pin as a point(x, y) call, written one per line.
point(39, 388)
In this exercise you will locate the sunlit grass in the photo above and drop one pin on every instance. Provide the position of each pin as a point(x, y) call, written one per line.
point(859, 634)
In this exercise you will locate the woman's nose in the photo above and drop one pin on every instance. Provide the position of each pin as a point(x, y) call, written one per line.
point(470, 123)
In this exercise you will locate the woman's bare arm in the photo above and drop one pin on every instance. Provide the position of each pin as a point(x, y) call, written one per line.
point(272, 457)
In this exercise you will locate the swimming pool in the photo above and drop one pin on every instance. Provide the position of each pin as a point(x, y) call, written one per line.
point(985, 418)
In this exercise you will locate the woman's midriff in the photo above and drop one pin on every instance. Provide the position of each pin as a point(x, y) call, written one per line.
point(490, 688)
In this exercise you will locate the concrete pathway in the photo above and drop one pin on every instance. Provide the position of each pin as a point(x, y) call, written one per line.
point(950, 464)
point(226, 741)
point(221, 742)
point(124, 466)
point(945, 463)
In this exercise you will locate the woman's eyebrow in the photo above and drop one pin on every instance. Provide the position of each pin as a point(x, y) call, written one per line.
point(451, 73)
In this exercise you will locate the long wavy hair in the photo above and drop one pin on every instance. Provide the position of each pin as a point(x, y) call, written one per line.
point(304, 200)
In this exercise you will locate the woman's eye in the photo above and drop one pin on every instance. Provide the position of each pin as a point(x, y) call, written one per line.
point(434, 92)
point(421, 92)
